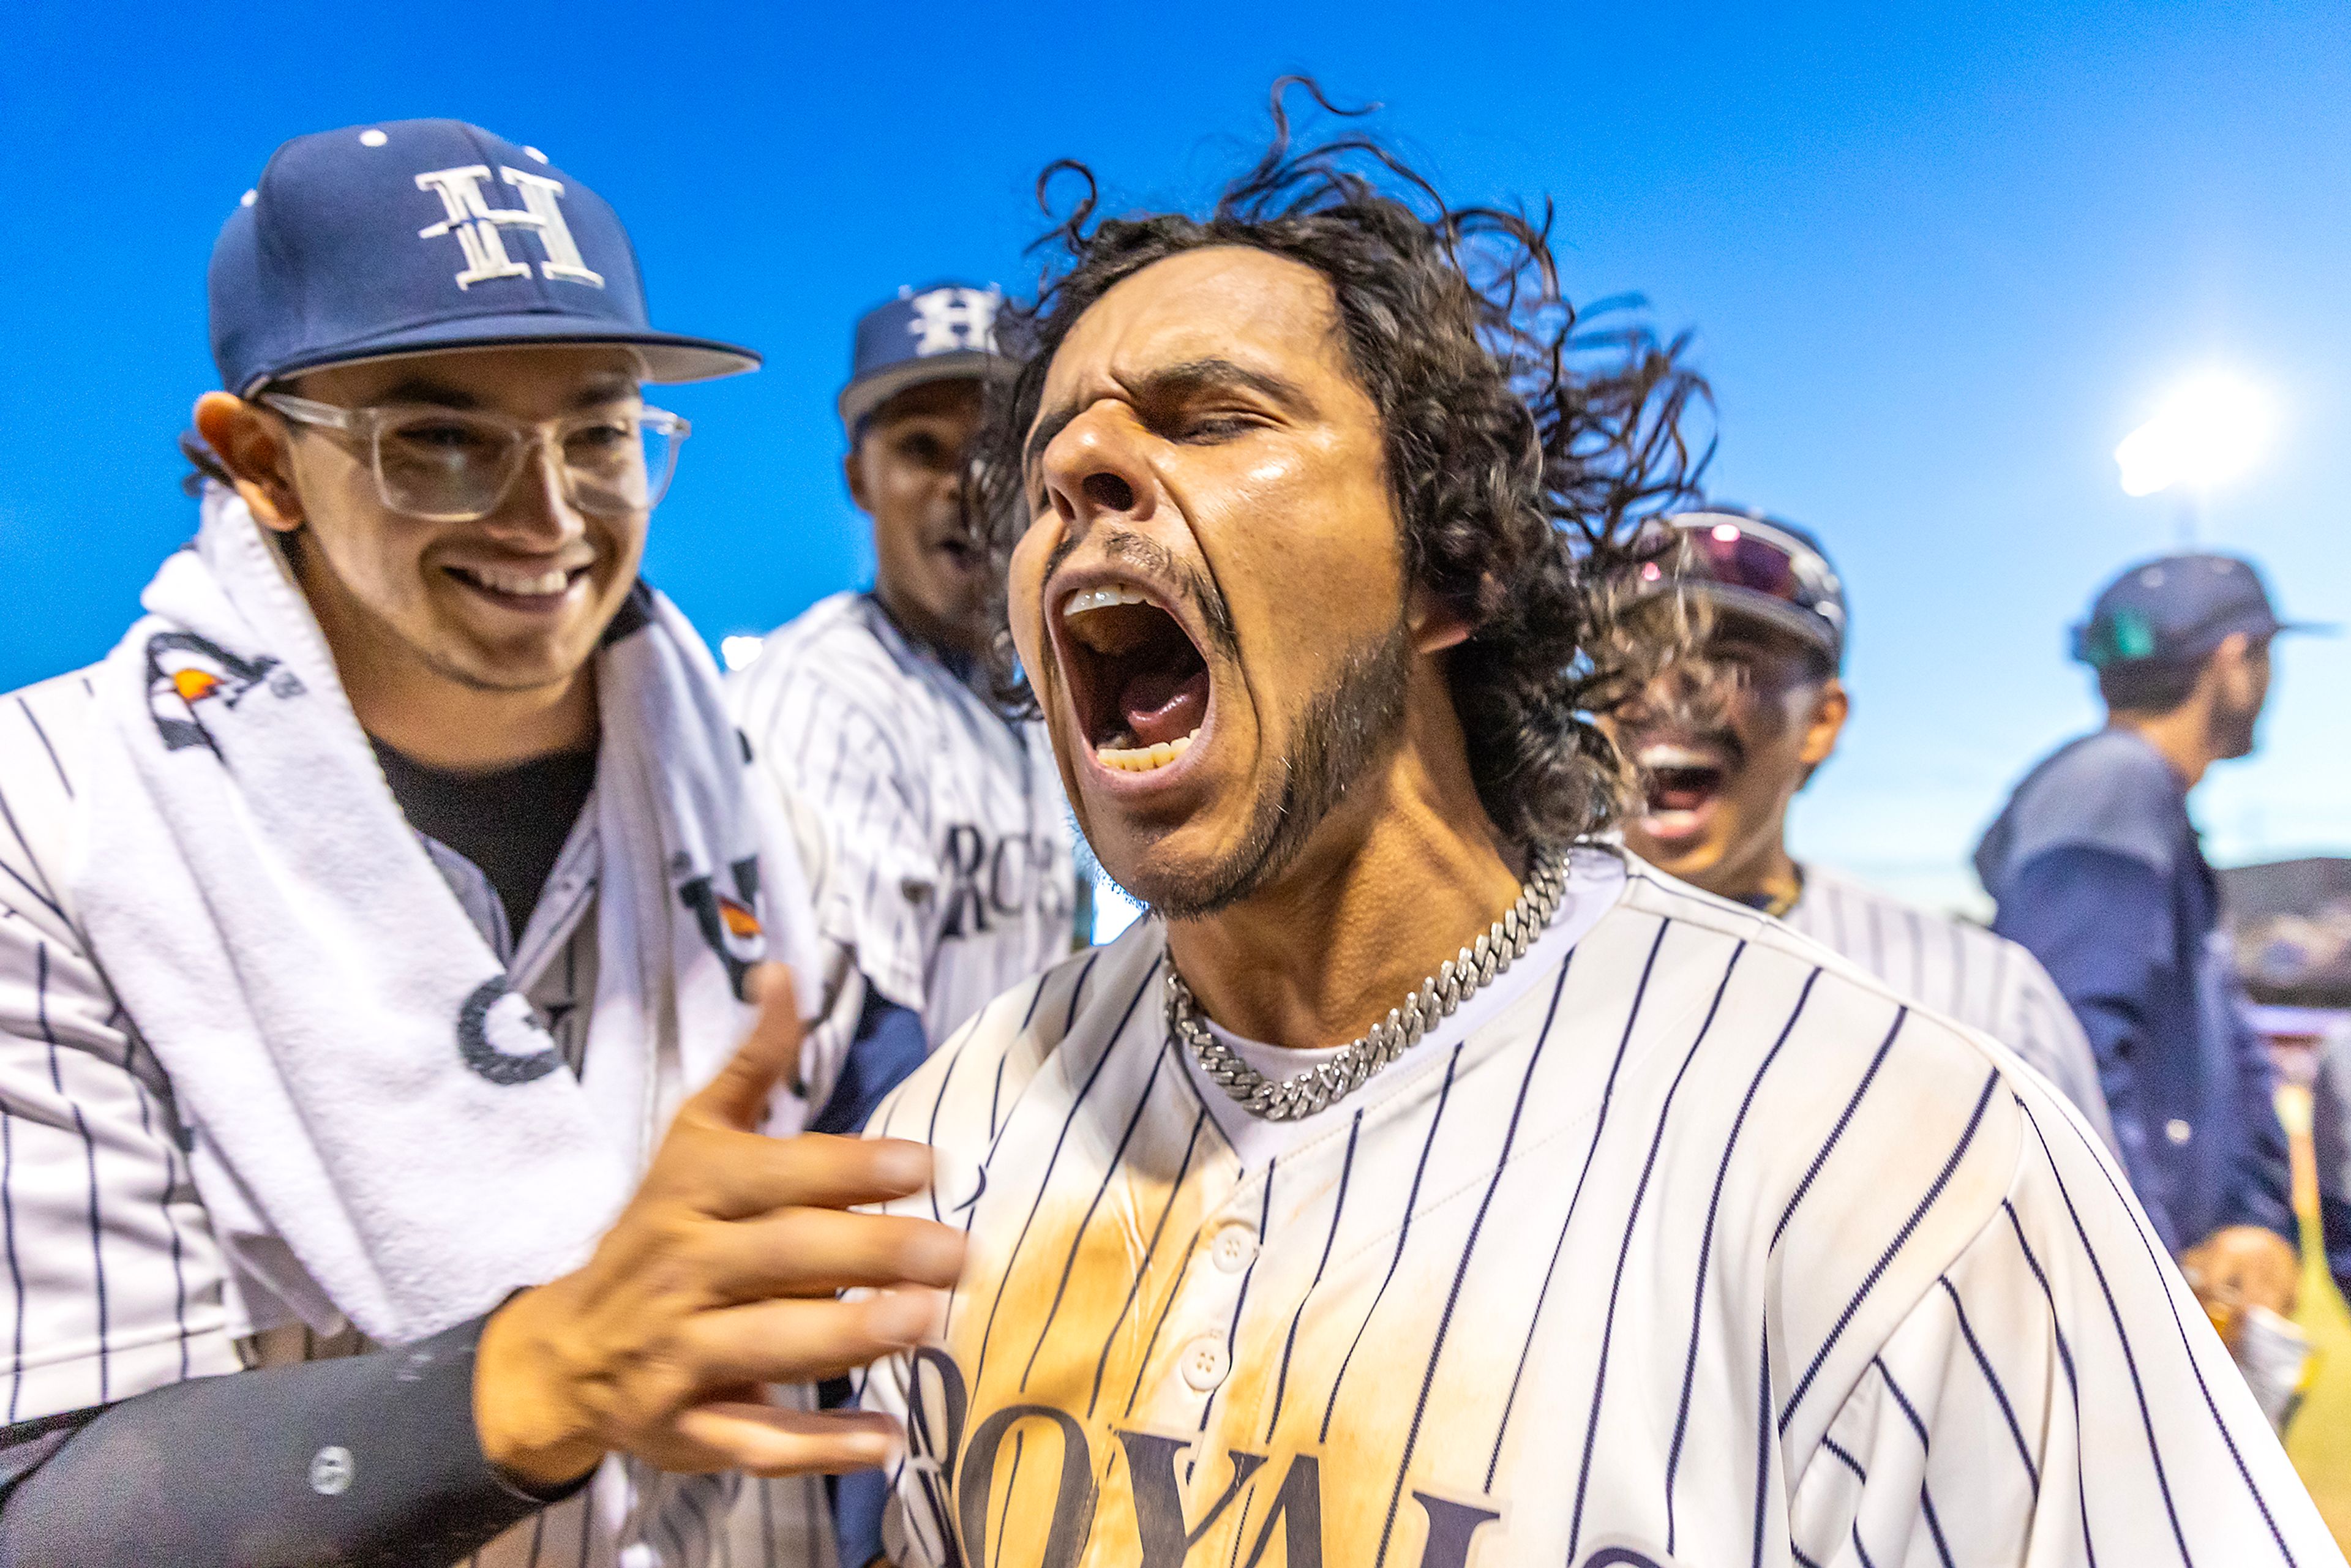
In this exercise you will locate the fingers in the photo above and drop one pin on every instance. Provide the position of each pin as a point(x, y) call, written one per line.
point(737, 1097)
point(767, 1440)
point(816, 1251)
point(796, 1340)
point(733, 1174)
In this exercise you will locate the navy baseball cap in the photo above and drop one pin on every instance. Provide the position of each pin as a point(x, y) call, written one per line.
point(421, 235)
point(1762, 568)
point(2176, 608)
point(944, 332)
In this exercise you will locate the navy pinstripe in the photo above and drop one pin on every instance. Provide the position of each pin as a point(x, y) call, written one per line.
point(1625, 1248)
point(1461, 1268)
point(1706, 1251)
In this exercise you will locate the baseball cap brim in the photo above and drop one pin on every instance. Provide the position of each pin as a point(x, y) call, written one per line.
point(1777, 614)
point(667, 357)
point(860, 398)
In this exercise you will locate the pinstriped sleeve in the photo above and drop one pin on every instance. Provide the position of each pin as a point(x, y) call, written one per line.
point(2041, 1029)
point(110, 1281)
point(2056, 1397)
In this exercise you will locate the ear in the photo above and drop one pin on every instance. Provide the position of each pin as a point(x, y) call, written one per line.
point(852, 471)
point(252, 445)
point(2229, 669)
point(1826, 723)
point(1433, 624)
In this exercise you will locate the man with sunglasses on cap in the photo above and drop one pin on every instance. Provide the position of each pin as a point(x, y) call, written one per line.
point(1724, 741)
point(2096, 867)
point(949, 875)
point(368, 914)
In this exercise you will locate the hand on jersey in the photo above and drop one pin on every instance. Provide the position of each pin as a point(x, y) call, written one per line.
point(2240, 1267)
point(720, 1277)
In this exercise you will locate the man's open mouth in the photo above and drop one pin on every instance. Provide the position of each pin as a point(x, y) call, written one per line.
point(1679, 783)
point(1138, 685)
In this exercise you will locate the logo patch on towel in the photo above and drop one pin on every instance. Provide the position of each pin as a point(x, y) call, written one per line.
point(183, 670)
point(499, 1040)
point(730, 922)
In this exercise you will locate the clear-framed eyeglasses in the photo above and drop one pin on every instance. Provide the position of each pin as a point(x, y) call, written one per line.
point(455, 465)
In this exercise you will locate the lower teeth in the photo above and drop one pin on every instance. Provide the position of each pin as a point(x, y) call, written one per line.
point(1143, 759)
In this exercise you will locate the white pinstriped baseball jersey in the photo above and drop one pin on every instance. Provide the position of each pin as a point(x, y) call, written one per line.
point(951, 873)
point(1964, 972)
point(111, 1281)
point(1701, 1249)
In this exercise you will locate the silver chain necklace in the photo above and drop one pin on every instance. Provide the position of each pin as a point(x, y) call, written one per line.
point(1319, 1088)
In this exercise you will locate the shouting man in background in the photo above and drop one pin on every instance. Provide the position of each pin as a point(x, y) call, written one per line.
point(1426, 1181)
point(1726, 738)
point(947, 870)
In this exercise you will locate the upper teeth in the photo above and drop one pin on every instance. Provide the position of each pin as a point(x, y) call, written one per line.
point(1087, 599)
point(552, 580)
point(1674, 756)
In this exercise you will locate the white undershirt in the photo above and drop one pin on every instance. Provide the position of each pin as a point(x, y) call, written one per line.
point(1595, 878)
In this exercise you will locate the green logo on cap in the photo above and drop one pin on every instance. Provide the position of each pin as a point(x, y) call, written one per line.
point(2126, 634)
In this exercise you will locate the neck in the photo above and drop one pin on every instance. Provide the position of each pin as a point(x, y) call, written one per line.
point(1397, 880)
point(1765, 872)
point(911, 622)
point(443, 722)
point(2184, 737)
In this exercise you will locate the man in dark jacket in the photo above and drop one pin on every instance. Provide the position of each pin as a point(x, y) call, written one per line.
point(2097, 867)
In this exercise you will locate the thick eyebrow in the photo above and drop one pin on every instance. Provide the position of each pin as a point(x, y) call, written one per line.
point(1168, 383)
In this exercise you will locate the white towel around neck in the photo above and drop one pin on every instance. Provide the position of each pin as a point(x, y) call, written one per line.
point(366, 1092)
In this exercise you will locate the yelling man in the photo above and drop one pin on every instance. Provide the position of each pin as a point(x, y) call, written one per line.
point(366, 916)
point(1426, 1182)
point(2098, 868)
point(1724, 741)
point(948, 872)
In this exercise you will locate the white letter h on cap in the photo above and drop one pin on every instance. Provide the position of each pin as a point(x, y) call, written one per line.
point(476, 224)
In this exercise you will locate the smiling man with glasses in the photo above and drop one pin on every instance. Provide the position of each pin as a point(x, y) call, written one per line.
point(367, 915)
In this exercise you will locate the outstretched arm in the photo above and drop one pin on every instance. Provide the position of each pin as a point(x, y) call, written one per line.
point(368, 1459)
point(719, 1277)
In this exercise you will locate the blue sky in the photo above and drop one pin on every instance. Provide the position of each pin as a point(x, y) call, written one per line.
point(1939, 260)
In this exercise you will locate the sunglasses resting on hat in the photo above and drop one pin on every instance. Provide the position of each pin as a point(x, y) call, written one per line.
point(1758, 568)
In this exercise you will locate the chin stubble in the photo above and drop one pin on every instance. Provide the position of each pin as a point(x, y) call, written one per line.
point(1342, 729)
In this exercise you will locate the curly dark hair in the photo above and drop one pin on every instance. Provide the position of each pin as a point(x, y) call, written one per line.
point(1525, 448)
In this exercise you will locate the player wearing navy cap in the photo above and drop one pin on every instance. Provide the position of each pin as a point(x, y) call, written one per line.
point(2097, 867)
point(1426, 1182)
point(1726, 739)
point(365, 917)
point(948, 874)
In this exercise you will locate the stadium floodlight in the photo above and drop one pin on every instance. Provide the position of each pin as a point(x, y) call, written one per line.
point(2210, 430)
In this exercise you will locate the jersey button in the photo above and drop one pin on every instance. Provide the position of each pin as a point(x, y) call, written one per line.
point(1235, 1248)
point(1205, 1363)
point(2178, 1131)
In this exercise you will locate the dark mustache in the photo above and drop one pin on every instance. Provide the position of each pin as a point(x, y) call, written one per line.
point(1156, 563)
